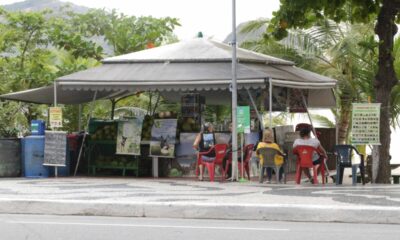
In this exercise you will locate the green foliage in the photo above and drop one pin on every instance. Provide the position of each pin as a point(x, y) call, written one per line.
point(305, 13)
point(12, 119)
point(124, 33)
point(38, 47)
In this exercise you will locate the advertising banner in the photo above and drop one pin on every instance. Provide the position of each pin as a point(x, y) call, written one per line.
point(365, 123)
point(279, 99)
point(243, 119)
point(163, 138)
point(296, 102)
point(128, 138)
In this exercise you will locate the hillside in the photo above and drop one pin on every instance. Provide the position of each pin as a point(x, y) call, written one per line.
point(38, 5)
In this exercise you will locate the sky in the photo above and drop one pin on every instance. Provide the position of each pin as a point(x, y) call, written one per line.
point(212, 17)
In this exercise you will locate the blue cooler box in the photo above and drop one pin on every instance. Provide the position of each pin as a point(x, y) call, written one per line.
point(37, 127)
point(33, 156)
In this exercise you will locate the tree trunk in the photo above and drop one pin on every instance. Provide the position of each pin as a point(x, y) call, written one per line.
point(344, 123)
point(385, 80)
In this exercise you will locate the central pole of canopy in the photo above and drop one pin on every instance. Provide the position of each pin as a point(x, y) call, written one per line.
point(234, 94)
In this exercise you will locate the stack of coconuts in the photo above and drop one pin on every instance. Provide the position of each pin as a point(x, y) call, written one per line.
point(105, 132)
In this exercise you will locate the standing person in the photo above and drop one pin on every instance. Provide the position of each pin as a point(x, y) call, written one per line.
point(306, 140)
point(268, 142)
point(204, 141)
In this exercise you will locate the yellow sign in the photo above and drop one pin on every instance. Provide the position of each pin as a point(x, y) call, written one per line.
point(55, 117)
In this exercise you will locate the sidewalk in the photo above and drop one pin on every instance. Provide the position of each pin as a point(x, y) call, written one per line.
point(177, 198)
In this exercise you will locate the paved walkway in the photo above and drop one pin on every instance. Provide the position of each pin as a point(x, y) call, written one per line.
point(137, 197)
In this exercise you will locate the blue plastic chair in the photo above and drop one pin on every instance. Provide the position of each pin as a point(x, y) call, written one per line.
point(344, 154)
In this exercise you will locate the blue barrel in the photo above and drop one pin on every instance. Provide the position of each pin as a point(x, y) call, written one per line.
point(37, 127)
point(33, 157)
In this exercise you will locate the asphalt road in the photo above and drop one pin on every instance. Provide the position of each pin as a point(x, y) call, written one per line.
point(32, 227)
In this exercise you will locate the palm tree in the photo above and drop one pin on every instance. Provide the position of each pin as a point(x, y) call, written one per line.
point(336, 50)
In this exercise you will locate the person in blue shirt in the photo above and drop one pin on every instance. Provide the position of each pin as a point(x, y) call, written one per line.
point(204, 141)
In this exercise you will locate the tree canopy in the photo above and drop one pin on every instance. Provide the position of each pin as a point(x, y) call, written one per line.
point(38, 47)
point(384, 13)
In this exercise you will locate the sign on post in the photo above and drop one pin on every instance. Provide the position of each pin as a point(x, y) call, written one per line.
point(243, 119)
point(55, 117)
point(365, 123)
point(55, 148)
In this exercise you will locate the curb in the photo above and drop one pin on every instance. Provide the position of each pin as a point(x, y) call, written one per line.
point(267, 212)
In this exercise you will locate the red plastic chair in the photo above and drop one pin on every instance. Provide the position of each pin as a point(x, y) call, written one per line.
point(220, 151)
point(304, 160)
point(248, 152)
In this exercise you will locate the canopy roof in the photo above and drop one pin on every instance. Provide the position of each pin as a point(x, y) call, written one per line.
point(195, 65)
point(45, 95)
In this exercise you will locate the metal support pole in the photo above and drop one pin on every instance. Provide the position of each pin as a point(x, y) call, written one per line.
point(260, 118)
point(270, 103)
point(80, 117)
point(55, 93)
point(308, 114)
point(234, 96)
point(84, 135)
point(55, 105)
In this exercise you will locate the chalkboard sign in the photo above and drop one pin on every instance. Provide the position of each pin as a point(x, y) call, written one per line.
point(55, 148)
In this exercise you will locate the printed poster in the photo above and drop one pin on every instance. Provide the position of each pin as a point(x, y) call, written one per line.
point(128, 138)
point(365, 123)
point(296, 103)
point(163, 138)
point(55, 117)
point(279, 99)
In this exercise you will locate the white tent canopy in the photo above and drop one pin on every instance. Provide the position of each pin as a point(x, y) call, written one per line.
point(45, 95)
point(199, 65)
point(192, 65)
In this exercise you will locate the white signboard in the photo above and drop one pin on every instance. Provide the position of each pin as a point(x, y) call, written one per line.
point(365, 123)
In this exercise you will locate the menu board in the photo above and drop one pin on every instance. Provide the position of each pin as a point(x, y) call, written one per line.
point(55, 148)
point(163, 138)
point(365, 123)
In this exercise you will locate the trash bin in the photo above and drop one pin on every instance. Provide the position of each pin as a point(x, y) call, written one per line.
point(33, 156)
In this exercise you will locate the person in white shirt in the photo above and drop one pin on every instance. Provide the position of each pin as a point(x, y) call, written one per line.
point(306, 140)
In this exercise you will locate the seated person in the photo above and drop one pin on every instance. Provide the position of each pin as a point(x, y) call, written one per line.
point(204, 141)
point(268, 141)
point(306, 140)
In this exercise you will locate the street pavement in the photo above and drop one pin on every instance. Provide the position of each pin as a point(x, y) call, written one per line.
point(185, 198)
point(46, 227)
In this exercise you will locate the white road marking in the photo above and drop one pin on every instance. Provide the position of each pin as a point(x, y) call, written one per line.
point(148, 226)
